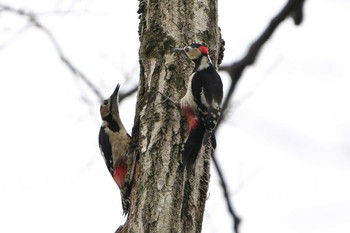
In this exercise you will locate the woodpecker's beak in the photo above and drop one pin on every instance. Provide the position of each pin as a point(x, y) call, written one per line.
point(114, 98)
point(116, 91)
point(181, 52)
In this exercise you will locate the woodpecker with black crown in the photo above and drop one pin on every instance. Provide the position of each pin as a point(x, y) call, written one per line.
point(201, 103)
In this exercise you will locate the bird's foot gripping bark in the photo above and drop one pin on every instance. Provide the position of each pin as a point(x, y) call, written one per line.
point(167, 98)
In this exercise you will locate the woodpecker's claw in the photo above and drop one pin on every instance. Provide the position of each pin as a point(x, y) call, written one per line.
point(126, 206)
point(167, 98)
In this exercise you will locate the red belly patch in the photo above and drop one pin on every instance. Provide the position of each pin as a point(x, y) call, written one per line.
point(119, 174)
point(191, 118)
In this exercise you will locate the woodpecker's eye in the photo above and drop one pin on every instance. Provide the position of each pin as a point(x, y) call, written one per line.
point(105, 102)
point(187, 49)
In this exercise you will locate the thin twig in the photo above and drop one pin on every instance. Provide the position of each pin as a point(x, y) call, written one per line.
point(14, 36)
point(123, 95)
point(35, 22)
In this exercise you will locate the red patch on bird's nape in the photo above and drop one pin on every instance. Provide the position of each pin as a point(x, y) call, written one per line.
point(203, 49)
point(119, 174)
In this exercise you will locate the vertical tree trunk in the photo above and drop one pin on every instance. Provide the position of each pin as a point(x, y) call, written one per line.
point(166, 197)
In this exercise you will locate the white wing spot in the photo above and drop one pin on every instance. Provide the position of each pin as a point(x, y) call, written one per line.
point(203, 99)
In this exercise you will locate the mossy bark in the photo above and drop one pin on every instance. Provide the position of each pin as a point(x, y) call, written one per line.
point(166, 197)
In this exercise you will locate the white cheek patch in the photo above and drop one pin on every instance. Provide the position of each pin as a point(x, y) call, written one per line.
point(193, 53)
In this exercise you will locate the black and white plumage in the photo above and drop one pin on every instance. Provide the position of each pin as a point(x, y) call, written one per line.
point(114, 143)
point(113, 139)
point(202, 101)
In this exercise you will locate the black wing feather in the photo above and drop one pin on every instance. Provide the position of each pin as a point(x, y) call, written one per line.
point(106, 149)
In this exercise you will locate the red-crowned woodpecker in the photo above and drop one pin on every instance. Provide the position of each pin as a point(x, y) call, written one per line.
point(202, 101)
point(113, 139)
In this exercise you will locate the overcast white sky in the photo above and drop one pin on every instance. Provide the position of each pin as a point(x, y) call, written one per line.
point(285, 149)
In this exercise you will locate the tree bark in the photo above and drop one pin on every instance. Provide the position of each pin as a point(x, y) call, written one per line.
point(165, 196)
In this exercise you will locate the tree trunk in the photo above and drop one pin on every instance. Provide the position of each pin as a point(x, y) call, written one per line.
point(166, 196)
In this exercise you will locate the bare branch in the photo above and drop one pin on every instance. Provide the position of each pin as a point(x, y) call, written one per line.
point(223, 183)
point(35, 22)
point(123, 95)
point(293, 8)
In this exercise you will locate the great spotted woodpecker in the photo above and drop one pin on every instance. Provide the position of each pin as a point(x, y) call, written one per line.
point(113, 139)
point(202, 101)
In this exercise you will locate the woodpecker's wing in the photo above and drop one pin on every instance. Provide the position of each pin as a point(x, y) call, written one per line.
point(207, 86)
point(105, 149)
point(211, 120)
point(212, 91)
point(207, 89)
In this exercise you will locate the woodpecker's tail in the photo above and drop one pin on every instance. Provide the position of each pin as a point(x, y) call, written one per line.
point(209, 135)
point(206, 137)
point(193, 145)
